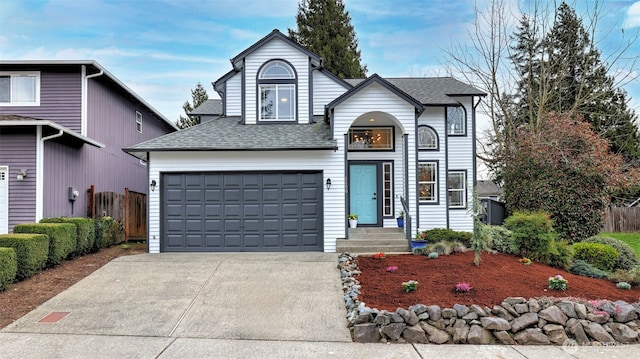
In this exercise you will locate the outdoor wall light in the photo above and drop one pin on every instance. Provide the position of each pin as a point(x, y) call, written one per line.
point(328, 184)
point(21, 175)
point(153, 185)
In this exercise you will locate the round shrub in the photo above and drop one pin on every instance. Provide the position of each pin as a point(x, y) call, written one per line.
point(582, 268)
point(433, 255)
point(627, 259)
point(560, 255)
point(624, 285)
point(599, 255)
point(532, 233)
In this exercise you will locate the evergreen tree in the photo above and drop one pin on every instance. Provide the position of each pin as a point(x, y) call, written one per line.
point(562, 72)
point(324, 27)
point(198, 96)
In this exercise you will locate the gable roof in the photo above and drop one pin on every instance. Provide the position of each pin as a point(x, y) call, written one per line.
point(68, 135)
point(236, 62)
point(209, 107)
point(431, 90)
point(99, 70)
point(229, 134)
point(375, 78)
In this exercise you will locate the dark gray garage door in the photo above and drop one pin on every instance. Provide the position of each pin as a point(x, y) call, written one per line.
point(248, 211)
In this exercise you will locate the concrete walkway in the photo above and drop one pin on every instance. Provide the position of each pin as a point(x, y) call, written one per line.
point(235, 305)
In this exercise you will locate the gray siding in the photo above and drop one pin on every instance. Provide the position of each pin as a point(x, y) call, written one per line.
point(60, 99)
point(18, 151)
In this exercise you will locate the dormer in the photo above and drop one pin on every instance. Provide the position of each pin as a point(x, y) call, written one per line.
point(271, 82)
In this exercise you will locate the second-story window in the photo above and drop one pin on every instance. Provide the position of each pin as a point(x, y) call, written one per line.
point(277, 92)
point(138, 122)
point(20, 88)
point(456, 121)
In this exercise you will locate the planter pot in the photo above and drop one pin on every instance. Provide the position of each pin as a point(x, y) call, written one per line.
point(400, 222)
point(418, 244)
point(353, 223)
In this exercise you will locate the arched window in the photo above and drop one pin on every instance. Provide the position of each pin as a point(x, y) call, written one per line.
point(427, 138)
point(277, 89)
point(456, 120)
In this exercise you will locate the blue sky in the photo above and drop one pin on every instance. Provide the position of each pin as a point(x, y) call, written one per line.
point(162, 48)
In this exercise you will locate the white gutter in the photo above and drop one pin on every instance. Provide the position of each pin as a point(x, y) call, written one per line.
point(55, 126)
point(84, 119)
point(40, 169)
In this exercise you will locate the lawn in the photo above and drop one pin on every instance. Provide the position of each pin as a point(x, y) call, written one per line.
point(632, 239)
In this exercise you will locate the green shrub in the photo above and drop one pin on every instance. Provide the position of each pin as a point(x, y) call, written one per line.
point(31, 250)
point(433, 255)
point(419, 251)
point(85, 230)
point(630, 276)
point(446, 235)
point(559, 255)
point(8, 267)
point(62, 238)
point(501, 239)
point(624, 285)
point(599, 255)
point(532, 233)
point(627, 259)
point(582, 268)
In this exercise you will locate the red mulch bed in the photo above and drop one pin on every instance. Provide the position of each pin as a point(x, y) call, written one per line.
point(499, 276)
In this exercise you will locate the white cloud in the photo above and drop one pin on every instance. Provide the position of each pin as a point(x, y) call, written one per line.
point(633, 16)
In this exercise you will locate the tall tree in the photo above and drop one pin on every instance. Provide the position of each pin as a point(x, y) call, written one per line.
point(198, 96)
point(324, 27)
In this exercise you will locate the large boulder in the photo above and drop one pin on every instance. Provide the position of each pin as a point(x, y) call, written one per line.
point(434, 334)
point(622, 333)
point(553, 314)
point(415, 334)
point(479, 335)
point(531, 336)
point(393, 331)
point(366, 333)
point(494, 323)
point(524, 321)
point(597, 332)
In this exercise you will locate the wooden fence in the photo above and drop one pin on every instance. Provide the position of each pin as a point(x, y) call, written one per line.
point(129, 208)
point(622, 219)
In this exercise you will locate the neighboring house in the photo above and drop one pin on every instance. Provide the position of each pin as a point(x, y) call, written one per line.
point(207, 111)
point(489, 190)
point(63, 125)
point(297, 149)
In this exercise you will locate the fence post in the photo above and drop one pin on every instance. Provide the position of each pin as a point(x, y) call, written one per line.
point(91, 205)
point(126, 215)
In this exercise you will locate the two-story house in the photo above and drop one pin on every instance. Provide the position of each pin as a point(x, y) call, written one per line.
point(298, 149)
point(63, 125)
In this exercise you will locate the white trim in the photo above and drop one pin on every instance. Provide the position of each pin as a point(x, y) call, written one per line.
point(4, 193)
point(39, 174)
point(11, 74)
point(55, 126)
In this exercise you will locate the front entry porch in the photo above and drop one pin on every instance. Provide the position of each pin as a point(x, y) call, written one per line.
point(374, 240)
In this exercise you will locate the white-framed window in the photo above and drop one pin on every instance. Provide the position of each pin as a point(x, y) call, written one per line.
point(138, 122)
point(427, 138)
point(456, 121)
point(387, 200)
point(277, 92)
point(19, 88)
point(428, 181)
point(457, 188)
point(371, 138)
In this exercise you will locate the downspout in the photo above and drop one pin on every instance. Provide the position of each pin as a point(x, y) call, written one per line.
point(346, 185)
point(85, 84)
point(40, 169)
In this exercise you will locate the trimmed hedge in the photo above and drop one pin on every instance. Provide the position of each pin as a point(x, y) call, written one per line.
point(627, 259)
point(599, 255)
point(62, 238)
point(447, 235)
point(8, 267)
point(85, 229)
point(32, 251)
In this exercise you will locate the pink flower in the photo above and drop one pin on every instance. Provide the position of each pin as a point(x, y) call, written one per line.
point(392, 269)
point(463, 287)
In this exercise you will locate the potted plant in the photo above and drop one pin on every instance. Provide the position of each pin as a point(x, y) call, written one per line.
point(420, 241)
point(353, 220)
point(400, 219)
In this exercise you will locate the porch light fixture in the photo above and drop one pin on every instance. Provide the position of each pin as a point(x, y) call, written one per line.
point(21, 175)
point(153, 185)
point(372, 120)
point(328, 184)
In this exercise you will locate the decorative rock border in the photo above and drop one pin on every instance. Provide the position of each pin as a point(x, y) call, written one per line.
point(559, 321)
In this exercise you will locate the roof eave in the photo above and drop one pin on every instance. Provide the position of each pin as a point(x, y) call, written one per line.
point(55, 126)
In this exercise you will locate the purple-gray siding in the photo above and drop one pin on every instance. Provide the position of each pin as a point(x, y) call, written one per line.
point(18, 151)
point(60, 99)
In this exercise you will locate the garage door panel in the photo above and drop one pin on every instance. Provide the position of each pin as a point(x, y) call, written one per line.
point(250, 211)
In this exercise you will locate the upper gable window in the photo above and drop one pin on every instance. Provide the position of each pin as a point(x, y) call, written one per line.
point(19, 88)
point(277, 92)
point(456, 121)
point(427, 138)
point(138, 122)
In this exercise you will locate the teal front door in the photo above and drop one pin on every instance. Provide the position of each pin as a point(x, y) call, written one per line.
point(363, 192)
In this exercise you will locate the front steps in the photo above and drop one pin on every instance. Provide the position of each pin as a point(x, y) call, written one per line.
point(369, 240)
